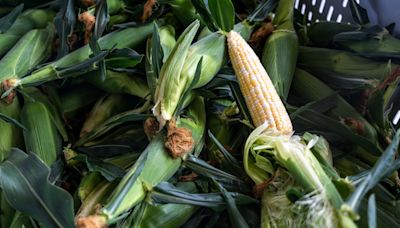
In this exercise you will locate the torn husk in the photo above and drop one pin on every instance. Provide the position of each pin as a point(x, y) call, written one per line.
point(179, 140)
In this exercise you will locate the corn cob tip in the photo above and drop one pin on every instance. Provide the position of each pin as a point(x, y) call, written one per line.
point(179, 140)
point(262, 100)
point(95, 221)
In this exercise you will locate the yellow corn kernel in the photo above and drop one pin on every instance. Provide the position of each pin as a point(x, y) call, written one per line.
point(261, 98)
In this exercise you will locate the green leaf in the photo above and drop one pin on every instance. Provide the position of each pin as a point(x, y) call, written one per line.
point(8, 20)
point(106, 169)
point(317, 121)
point(12, 121)
point(167, 193)
point(244, 112)
point(223, 13)
point(156, 51)
point(84, 66)
point(188, 91)
point(236, 218)
point(26, 187)
point(22, 220)
point(205, 15)
point(64, 22)
point(262, 10)
point(123, 58)
point(202, 168)
point(376, 108)
point(377, 173)
point(360, 15)
point(95, 47)
point(111, 123)
point(231, 160)
point(102, 17)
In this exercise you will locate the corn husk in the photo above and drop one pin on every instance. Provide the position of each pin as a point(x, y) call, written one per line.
point(28, 20)
point(280, 51)
point(171, 85)
point(310, 89)
point(104, 108)
point(118, 39)
point(42, 136)
point(32, 49)
point(10, 133)
point(321, 202)
point(132, 188)
point(119, 83)
point(322, 62)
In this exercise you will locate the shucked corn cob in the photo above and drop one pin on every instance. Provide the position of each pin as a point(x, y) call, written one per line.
point(260, 95)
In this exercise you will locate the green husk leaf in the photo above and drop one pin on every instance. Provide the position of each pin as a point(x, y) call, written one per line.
point(171, 84)
point(376, 174)
point(12, 121)
point(223, 13)
point(227, 180)
point(123, 58)
point(205, 15)
point(108, 170)
point(167, 193)
point(236, 218)
point(25, 185)
point(360, 15)
point(7, 21)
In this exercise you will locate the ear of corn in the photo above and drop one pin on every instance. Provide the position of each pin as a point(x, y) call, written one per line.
point(28, 20)
point(212, 49)
point(311, 89)
point(322, 33)
point(10, 134)
point(321, 61)
point(170, 83)
point(31, 49)
point(167, 40)
point(6, 211)
point(156, 164)
point(41, 136)
point(119, 82)
point(98, 196)
point(166, 215)
point(297, 158)
point(280, 51)
point(260, 95)
point(71, 101)
point(183, 10)
point(118, 39)
point(102, 110)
